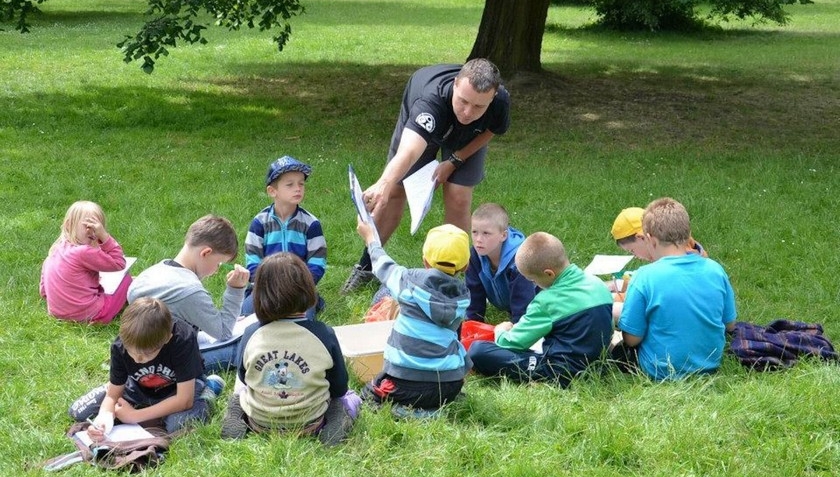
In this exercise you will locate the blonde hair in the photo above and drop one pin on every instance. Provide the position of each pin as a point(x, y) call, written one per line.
point(667, 220)
point(77, 212)
point(214, 232)
point(145, 324)
point(493, 213)
point(541, 251)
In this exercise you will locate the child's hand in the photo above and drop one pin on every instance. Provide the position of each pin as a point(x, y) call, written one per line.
point(364, 230)
point(124, 411)
point(102, 425)
point(238, 277)
point(501, 328)
point(96, 232)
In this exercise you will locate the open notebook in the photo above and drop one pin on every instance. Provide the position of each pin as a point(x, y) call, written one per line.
point(118, 433)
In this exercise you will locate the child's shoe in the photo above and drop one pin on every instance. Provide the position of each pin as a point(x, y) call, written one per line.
point(234, 425)
point(213, 387)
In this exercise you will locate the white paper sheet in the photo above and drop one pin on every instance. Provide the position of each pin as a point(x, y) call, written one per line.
point(111, 280)
point(205, 340)
point(359, 202)
point(607, 264)
point(419, 191)
point(119, 433)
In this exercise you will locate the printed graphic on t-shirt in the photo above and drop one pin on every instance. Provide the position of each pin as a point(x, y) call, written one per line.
point(155, 377)
point(282, 373)
point(425, 121)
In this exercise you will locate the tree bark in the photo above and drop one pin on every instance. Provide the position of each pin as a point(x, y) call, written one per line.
point(510, 34)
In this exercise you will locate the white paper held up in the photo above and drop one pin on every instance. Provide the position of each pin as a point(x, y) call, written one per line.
point(419, 191)
point(359, 202)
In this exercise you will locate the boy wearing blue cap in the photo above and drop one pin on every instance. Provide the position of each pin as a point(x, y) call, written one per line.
point(285, 226)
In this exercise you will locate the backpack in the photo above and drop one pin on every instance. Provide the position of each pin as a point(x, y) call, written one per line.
point(132, 455)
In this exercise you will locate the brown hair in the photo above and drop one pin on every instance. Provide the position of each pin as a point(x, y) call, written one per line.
point(214, 232)
point(482, 74)
point(283, 287)
point(494, 213)
point(541, 251)
point(667, 220)
point(145, 324)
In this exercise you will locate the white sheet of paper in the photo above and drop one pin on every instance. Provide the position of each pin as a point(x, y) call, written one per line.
point(359, 201)
point(111, 280)
point(607, 264)
point(419, 191)
point(238, 328)
point(119, 433)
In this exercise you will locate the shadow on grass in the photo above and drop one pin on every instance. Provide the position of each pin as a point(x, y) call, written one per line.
point(622, 108)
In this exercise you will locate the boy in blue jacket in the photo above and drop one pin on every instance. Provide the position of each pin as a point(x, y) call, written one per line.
point(572, 313)
point(425, 363)
point(492, 274)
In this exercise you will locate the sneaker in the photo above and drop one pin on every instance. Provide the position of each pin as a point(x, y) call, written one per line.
point(357, 279)
point(213, 387)
point(234, 425)
point(337, 424)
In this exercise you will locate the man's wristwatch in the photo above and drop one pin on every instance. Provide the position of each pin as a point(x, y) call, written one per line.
point(455, 160)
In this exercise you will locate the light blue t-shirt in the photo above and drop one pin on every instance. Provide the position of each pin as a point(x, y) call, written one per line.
point(679, 306)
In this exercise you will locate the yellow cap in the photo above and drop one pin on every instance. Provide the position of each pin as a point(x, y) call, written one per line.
point(447, 248)
point(628, 223)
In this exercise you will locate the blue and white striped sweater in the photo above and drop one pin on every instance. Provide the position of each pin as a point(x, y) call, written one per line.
point(301, 235)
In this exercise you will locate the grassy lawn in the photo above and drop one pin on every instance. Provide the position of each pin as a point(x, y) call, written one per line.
point(739, 123)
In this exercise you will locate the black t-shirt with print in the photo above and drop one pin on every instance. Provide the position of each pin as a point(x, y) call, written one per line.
point(178, 361)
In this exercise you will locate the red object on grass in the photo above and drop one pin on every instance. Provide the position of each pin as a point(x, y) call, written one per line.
point(476, 331)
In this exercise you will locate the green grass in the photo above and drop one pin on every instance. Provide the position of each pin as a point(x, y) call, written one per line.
point(739, 123)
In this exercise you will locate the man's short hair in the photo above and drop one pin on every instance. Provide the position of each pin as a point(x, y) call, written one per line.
point(214, 232)
point(541, 251)
point(667, 220)
point(145, 324)
point(493, 213)
point(483, 75)
point(283, 286)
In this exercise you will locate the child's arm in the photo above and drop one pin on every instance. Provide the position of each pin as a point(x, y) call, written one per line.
point(108, 257)
point(386, 270)
point(532, 326)
point(181, 401)
point(316, 251)
point(254, 246)
point(199, 310)
point(105, 419)
point(478, 296)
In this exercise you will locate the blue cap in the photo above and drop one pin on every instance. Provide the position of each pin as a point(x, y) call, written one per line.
point(283, 165)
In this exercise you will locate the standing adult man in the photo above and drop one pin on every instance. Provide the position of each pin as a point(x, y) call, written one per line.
point(449, 108)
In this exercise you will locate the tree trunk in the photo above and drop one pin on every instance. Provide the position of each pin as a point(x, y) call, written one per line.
point(510, 34)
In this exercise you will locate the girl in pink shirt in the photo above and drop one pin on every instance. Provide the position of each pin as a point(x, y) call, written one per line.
point(70, 273)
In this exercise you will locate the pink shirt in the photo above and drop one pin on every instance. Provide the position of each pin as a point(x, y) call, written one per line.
point(70, 278)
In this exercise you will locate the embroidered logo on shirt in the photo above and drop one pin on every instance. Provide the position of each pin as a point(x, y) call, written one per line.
point(425, 121)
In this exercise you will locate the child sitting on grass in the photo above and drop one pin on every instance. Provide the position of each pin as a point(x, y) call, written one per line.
point(424, 363)
point(210, 241)
point(291, 376)
point(156, 372)
point(572, 314)
point(628, 235)
point(678, 307)
point(70, 273)
point(285, 226)
point(492, 274)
